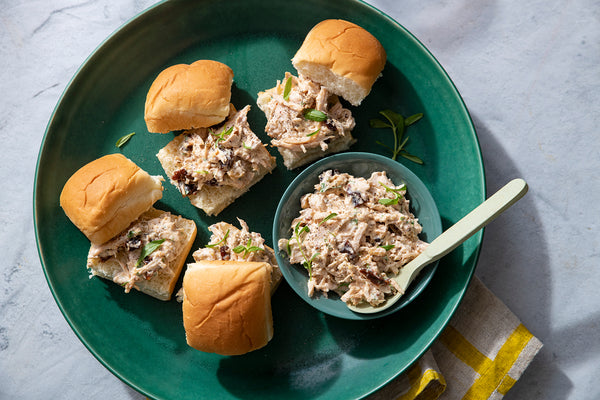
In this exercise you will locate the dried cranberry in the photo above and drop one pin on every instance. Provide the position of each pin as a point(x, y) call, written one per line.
point(224, 250)
point(372, 276)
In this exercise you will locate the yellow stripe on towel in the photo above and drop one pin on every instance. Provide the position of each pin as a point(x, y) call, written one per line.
point(464, 350)
point(493, 375)
point(428, 385)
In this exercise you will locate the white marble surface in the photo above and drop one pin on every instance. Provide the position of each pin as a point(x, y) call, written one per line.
point(529, 72)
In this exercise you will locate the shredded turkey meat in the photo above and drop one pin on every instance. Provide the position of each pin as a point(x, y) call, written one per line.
point(289, 127)
point(223, 155)
point(128, 246)
point(230, 243)
point(352, 234)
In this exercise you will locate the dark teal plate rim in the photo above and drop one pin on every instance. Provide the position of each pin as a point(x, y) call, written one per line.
point(39, 188)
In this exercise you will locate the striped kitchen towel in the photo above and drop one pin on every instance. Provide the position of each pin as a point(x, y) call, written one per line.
point(480, 354)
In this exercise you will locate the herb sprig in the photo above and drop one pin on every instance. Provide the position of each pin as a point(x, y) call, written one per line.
point(247, 249)
point(221, 136)
point(148, 249)
point(395, 192)
point(398, 124)
point(307, 263)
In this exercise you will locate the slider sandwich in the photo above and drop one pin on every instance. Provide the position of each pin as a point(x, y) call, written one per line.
point(230, 243)
point(305, 117)
point(227, 306)
point(217, 157)
point(227, 292)
point(132, 244)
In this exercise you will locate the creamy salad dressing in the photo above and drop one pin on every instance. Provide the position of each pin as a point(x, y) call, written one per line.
point(352, 234)
point(127, 247)
point(286, 122)
point(225, 155)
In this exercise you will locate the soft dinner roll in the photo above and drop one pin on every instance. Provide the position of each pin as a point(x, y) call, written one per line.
point(106, 195)
point(189, 96)
point(343, 57)
point(227, 306)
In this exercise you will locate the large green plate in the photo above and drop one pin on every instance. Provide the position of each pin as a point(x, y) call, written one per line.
point(141, 340)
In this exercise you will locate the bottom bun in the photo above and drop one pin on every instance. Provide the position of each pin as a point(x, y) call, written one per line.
point(227, 306)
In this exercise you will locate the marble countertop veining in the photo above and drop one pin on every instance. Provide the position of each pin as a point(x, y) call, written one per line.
point(529, 72)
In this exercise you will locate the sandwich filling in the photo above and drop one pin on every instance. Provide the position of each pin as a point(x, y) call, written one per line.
point(230, 243)
point(223, 155)
point(145, 248)
point(351, 234)
point(302, 115)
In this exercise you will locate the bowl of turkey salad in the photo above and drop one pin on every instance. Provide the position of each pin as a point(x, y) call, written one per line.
point(348, 223)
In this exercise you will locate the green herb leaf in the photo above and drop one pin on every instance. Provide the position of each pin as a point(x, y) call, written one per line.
point(124, 139)
point(327, 218)
point(299, 231)
point(398, 124)
point(394, 118)
point(221, 136)
point(244, 145)
point(308, 263)
point(377, 123)
point(210, 246)
point(247, 248)
point(287, 89)
point(393, 190)
point(315, 115)
point(315, 132)
point(148, 249)
point(413, 119)
point(411, 157)
point(387, 247)
point(388, 202)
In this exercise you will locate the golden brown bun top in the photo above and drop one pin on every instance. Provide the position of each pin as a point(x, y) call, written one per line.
point(189, 96)
point(227, 306)
point(106, 195)
point(345, 49)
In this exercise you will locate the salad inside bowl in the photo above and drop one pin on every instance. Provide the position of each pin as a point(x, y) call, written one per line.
point(288, 234)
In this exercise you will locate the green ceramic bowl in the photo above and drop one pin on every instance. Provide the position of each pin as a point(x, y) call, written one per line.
point(356, 164)
point(312, 355)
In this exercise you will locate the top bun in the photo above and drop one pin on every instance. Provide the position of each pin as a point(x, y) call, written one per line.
point(106, 195)
point(189, 96)
point(341, 56)
point(227, 306)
